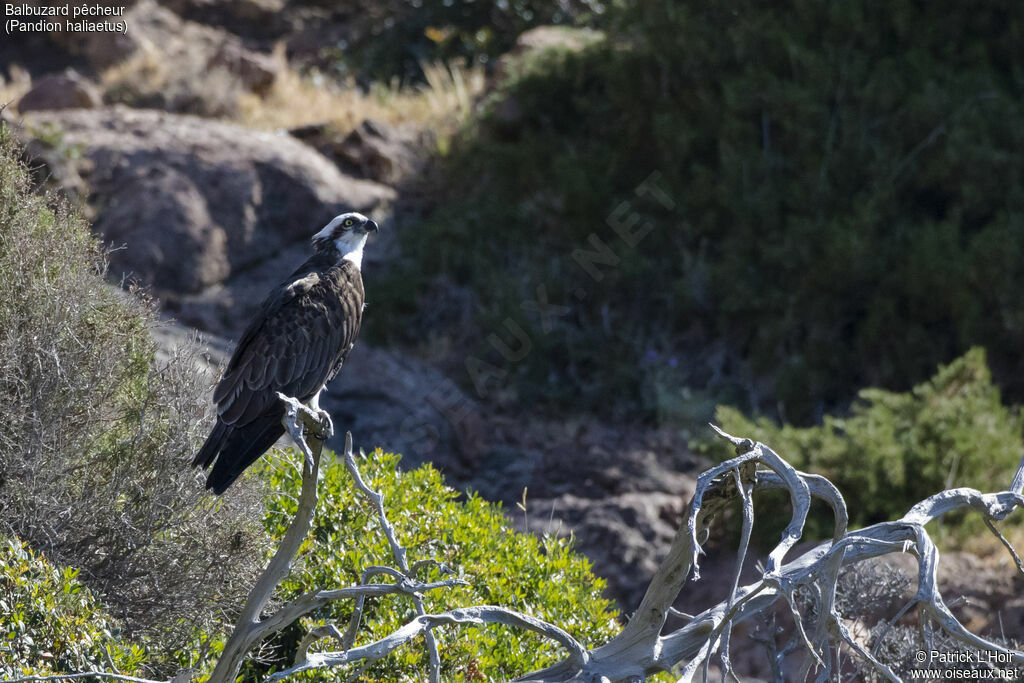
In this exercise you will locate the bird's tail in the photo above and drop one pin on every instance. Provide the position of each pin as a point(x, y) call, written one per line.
point(214, 444)
point(235, 448)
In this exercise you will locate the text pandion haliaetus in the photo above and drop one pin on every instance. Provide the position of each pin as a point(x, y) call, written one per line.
point(295, 345)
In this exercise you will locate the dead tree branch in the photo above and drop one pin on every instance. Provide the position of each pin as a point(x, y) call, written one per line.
point(249, 629)
point(84, 674)
point(308, 430)
point(642, 648)
point(398, 552)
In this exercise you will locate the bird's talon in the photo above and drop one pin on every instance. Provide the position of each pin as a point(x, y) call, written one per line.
point(326, 423)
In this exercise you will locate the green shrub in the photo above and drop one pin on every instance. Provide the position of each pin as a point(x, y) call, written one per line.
point(844, 208)
point(896, 449)
point(406, 33)
point(53, 624)
point(97, 433)
point(541, 577)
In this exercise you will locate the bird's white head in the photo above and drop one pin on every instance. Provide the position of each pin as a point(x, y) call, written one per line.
point(347, 235)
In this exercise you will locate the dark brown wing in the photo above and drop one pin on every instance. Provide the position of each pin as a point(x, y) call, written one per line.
point(295, 346)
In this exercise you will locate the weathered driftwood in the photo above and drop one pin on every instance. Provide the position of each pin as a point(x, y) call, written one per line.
point(643, 647)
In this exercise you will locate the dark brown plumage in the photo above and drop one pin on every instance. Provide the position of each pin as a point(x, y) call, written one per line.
point(295, 345)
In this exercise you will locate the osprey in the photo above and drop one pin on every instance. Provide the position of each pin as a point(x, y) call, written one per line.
point(295, 345)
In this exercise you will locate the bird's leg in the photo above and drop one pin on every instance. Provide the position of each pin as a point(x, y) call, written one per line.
point(295, 425)
point(322, 415)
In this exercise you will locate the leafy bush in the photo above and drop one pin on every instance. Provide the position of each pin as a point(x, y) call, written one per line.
point(52, 623)
point(542, 577)
point(896, 449)
point(97, 434)
point(844, 211)
point(401, 35)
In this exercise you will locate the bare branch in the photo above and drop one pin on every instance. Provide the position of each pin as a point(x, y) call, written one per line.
point(398, 551)
point(248, 629)
point(641, 649)
point(485, 614)
point(84, 674)
point(1006, 544)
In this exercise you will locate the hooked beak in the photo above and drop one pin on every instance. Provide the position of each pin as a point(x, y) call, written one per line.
point(371, 226)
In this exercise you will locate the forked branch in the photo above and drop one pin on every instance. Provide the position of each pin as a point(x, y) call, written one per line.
point(644, 646)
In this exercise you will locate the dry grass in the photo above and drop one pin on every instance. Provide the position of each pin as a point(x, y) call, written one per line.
point(987, 547)
point(182, 82)
point(444, 102)
point(17, 83)
point(186, 84)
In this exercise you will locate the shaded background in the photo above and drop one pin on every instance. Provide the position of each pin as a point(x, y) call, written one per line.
point(600, 220)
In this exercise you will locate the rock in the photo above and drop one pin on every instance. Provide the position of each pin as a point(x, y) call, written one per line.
point(381, 152)
point(170, 49)
point(196, 202)
point(104, 49)
point(171, 240)
point(175, 342)
point(374, 149)
point(263, 18)
point(626, 536)
point(402, 404)
point(540, 39)
point(256, 71)
point(68, 90)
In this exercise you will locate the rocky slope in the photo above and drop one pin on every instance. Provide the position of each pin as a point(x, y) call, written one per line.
point(210, 215)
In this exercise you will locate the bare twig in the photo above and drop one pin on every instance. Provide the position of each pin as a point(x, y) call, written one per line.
point(83, 674)
point(398, 552)
point(485, 614)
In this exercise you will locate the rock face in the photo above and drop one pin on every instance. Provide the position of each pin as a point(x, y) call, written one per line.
point(159, 30)
point(626, 536)
point(620, 493)
point(67, 90)
point(374, 149)
point(195, 202)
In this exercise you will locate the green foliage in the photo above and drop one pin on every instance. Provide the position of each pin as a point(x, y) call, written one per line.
point(97, 433)
point(52, 623)
point(896, 449)
point(541, 577)
point(407, 33)
point(845, 210)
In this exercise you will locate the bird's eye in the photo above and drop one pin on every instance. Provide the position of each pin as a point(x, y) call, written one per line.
point(349, 223)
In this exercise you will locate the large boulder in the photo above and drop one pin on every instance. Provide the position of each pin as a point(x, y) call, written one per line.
point(374, 149)
point(166, 62)
point(67, 90)
point(626, 536)
point(189, 203)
